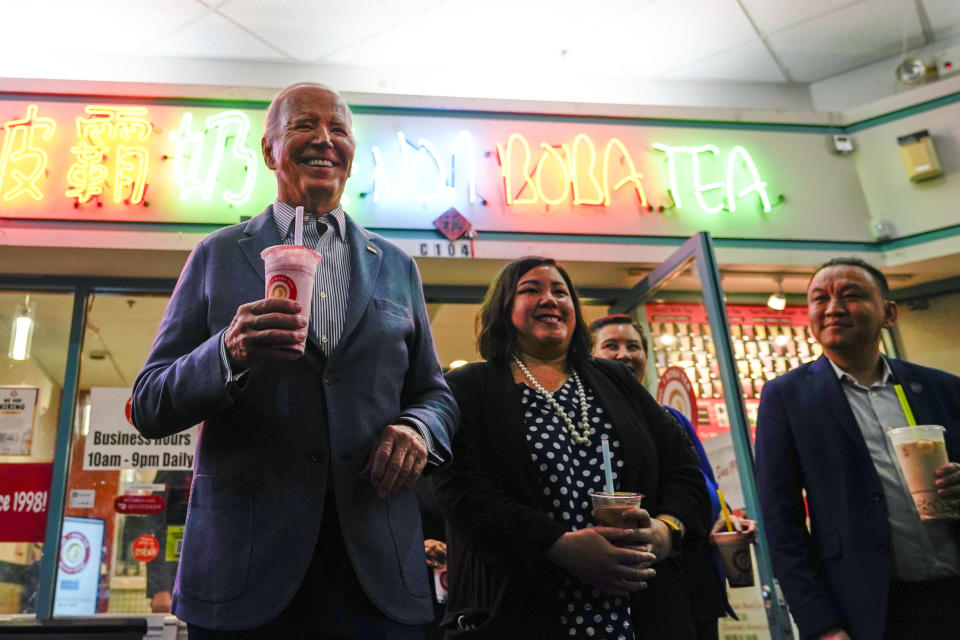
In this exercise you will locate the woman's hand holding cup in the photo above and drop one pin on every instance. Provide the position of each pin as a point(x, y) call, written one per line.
point(608, 558)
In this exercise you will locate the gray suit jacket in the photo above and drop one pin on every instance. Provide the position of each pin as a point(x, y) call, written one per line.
point(267, 452)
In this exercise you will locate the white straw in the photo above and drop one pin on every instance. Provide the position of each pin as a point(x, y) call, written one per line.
point(607, 468)
point(298, 227)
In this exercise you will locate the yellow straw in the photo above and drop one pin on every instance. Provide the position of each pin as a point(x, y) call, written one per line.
point(905, 405)
point(724, 510)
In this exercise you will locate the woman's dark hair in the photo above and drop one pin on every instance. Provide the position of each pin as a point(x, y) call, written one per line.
point(619, 318)
point(496, 335)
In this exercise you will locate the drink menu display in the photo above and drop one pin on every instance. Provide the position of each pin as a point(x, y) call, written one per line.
point(766, 344)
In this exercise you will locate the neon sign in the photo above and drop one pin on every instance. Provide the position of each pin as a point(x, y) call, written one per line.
point(426, 166)
point(28, 152)
point(231, 129)
point(756, 185)
point(572, 172)
point(167, 163)
point(88, 174)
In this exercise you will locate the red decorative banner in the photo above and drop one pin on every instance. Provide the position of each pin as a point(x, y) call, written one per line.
point(24, 496)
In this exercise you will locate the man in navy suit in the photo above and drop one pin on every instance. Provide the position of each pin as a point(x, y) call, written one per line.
point(867, 567)
point(301, 519)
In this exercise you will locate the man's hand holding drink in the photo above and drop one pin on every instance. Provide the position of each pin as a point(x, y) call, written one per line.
point(268, 329)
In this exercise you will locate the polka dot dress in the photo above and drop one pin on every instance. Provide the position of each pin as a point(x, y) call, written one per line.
point(568, 472)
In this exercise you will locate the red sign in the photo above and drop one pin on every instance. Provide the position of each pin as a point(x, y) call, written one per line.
point(676, 391)
point(133, 505)
point(24, 494)
point(146, 547)
point(452, 224)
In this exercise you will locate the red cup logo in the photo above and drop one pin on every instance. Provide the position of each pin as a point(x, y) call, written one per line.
point(281, 286)
point(741, 560)
point(74, 552)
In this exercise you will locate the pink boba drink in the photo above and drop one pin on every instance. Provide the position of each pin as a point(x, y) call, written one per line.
point(290, 271)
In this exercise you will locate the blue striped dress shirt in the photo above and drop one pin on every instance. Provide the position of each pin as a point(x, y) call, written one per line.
point(330, 294)
point(332, 285)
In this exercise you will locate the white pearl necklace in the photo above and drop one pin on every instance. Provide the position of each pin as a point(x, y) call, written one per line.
point(582, 436)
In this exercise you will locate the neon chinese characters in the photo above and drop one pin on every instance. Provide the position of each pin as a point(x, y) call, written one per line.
point(110, 131)
point(26, 155)
point(198, 166)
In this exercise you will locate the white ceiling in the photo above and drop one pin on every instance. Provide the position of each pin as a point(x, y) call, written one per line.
point(421, 46)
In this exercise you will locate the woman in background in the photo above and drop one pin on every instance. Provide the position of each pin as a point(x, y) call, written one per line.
point(618, 337)
point(525, 559)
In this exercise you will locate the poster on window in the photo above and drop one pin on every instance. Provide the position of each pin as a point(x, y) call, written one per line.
point(18, 407)
point(78, 569)
point(113, 442)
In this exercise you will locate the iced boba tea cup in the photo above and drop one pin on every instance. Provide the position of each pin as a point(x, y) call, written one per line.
point(609, 507)
point(290, 271)
point(920, 451)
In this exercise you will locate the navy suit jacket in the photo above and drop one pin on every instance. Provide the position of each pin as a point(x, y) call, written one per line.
point(268, 451)
point(838, 572)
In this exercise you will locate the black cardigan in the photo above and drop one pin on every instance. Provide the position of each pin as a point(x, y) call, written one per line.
point(499, 528)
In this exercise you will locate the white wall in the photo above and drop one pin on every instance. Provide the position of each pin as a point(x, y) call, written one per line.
point(930, 335)
point(912, 207)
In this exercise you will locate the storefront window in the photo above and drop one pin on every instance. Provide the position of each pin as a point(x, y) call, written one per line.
point(34, 333)
point(126, 496)
point(685, 372)
point(766, 344)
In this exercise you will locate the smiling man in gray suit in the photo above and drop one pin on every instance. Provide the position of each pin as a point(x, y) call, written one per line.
point(301, 521)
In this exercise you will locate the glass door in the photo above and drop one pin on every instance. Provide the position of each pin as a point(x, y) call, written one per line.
point(692, 367)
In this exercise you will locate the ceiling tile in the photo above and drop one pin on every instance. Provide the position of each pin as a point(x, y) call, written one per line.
point(405, 8)
point(662, 36)
point(306, 29)
point(847, 38)
point(213, 36)
point(591, 12)
point(750, 62)
point(770, 16)
point(462, 35)
point(944, 17)
point(116, 27)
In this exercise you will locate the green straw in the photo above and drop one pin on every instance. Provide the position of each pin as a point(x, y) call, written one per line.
point(905, 405)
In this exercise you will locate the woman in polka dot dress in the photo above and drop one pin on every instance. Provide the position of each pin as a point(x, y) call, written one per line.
point(525, 557)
